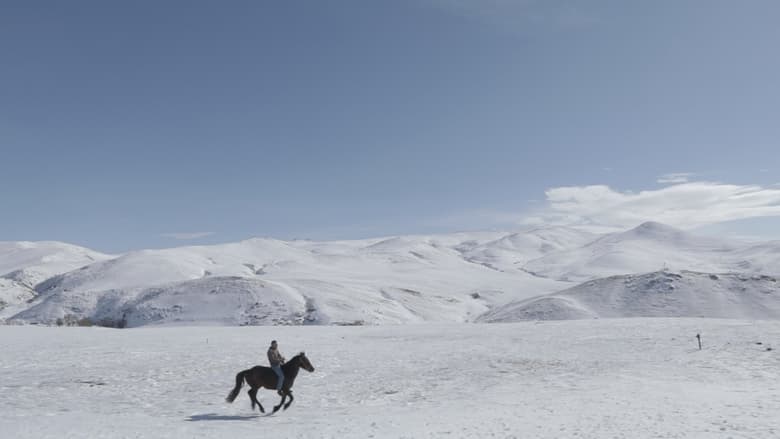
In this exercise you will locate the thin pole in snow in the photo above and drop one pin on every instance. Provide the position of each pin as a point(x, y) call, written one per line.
point(698, 337)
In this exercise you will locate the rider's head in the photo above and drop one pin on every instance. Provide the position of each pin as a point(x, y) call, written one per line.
point(273, 343)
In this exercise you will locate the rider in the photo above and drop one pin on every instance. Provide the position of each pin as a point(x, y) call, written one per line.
point(276, 359)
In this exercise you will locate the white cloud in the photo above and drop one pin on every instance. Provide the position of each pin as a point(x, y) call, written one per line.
point(186, 236)
point(674, 178)
point(685, 205)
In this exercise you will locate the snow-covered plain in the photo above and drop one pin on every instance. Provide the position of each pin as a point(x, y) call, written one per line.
point(621, 378)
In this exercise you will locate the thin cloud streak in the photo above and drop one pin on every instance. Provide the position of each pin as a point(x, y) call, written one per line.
point(675, 178)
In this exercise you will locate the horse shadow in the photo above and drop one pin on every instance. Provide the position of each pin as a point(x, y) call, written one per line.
point(216, 417)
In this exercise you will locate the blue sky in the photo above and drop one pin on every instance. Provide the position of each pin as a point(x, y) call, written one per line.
point(128, 125)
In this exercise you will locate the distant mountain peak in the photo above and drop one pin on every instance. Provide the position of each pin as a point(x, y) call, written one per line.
point(655, 231)
point(656, 227)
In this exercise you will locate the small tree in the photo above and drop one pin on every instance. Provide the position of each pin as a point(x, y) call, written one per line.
point(70, 320)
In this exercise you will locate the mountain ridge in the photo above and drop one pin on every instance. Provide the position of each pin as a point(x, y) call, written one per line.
point(390, 280)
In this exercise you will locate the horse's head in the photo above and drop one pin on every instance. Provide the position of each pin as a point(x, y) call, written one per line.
point(304, 362)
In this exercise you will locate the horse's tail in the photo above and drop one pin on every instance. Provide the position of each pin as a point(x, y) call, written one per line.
point(239, 382)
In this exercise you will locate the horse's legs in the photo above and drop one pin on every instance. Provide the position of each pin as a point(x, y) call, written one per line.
point(252, 392)
point(253, 396)
point(291, 400)
point(277, 407)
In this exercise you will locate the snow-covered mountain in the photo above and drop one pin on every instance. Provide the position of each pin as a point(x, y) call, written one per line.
point(649, 247)
point(511, 252)
point(391, 280)
point(487, 276)
point(33, 262)
point(24, 264)
point(212, 300)
point(658, 294)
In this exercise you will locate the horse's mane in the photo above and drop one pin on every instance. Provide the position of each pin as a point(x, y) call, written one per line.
point(300, 354)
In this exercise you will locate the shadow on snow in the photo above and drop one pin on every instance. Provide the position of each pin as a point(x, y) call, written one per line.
point(216, 417)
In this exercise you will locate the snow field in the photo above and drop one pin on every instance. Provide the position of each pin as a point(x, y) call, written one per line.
point(624, 378)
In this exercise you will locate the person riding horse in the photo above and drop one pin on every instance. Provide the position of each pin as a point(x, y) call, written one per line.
point(260, 377)
point(277, 360)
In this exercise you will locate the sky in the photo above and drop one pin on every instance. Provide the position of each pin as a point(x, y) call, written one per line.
point(147, 124)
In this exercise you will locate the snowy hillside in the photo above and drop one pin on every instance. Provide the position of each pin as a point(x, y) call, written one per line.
point(214, 300)
point(34, 262)
point(658, 294)
point(393, 280)
point(648, 247)
point(487, 276)
point(512, 252)
point(23, 265)
point(13, 295)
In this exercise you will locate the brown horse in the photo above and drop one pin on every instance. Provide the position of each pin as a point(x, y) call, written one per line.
point(260, 376)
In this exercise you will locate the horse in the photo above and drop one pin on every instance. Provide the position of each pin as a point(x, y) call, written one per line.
point(261, 376)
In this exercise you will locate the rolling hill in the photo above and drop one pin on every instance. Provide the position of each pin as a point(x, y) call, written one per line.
point(544, 273)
